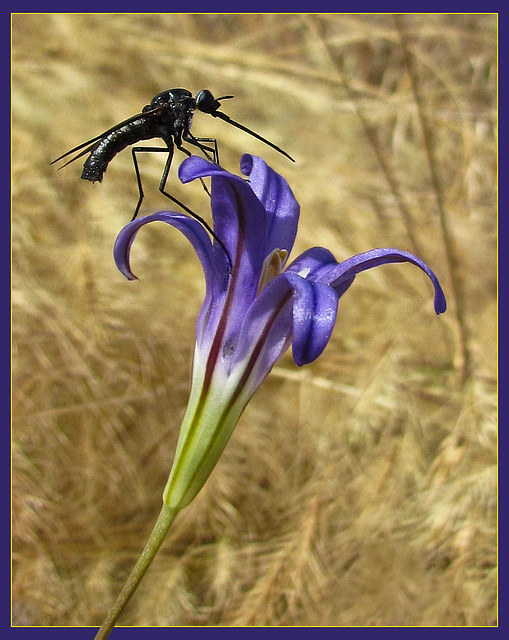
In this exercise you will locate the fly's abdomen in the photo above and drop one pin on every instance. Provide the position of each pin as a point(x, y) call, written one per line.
point(94, 168)
point(107, 148)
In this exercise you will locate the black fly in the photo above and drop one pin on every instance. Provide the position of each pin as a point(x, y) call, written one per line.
point(169, 117)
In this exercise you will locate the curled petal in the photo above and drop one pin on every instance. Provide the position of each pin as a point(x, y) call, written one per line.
point(319, 264)
point(190, 227)
point(376, 257)
point(198, 167)
point(198, 237)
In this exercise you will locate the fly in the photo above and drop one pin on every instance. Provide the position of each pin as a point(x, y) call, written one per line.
point(168, 116)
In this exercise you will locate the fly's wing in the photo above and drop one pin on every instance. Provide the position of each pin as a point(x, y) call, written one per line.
point(82, 153)
point(93, 142)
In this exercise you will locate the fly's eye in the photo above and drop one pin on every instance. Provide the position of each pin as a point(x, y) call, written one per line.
point(206, 102)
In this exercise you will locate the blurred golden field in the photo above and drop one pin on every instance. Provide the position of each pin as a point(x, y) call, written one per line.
point(359, 490)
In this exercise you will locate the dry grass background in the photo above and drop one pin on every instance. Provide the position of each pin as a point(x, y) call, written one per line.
point(360, 490)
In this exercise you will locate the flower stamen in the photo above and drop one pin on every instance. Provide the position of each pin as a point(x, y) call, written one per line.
point(272, 267)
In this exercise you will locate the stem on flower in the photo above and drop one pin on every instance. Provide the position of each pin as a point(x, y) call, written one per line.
point(161, 527)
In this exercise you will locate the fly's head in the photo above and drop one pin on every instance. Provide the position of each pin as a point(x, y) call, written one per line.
point(206, 102)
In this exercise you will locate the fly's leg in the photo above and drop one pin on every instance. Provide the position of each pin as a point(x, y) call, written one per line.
point(136, 150)
point(211, 153)
point(162, 186)
point(214, 150)
point(188, 153)
point(188, 137)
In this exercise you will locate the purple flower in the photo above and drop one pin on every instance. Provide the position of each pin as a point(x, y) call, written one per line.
point(253, 310)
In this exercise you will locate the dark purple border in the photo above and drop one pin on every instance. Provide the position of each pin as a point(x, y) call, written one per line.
point(221, 6)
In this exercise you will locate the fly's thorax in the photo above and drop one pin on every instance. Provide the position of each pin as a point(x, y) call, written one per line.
point(175, 109)
point(172, 98)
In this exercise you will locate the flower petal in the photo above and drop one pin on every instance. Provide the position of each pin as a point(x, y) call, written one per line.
point(240, 222)
point(313, 263)
point(266, 330)
point(277, 199)
point(199, 238)
point(292, 306)
point(320, 265)
point(191, 228)
point(239, 218)
point(315, 308)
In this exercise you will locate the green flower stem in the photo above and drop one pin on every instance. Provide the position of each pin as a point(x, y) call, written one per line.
point(161, 527)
